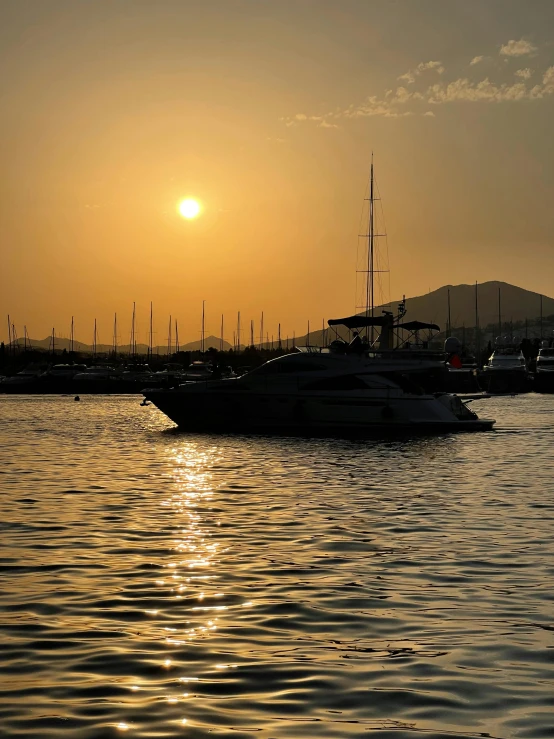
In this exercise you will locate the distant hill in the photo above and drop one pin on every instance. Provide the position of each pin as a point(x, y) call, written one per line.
point(517, 304)
point(60, 344)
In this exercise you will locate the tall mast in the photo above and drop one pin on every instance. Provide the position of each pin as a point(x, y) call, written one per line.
point(203, 328)
point(477, 331)
point(251, 333)
point(94, 341)
point(238, 331)
point(176, 337)
point(279, 336)
point(9, 334)
point(169, 338)
point(132, 347)
point(53, 342)
point(221, 335)
point(262, 330)
point(308, 337)
point(24, 338)
point(150, 332)
point(499, 315)
point(72, 340)
point(115, 335)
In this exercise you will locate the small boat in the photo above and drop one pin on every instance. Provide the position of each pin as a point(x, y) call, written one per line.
point(544, 370)
point(506, 371)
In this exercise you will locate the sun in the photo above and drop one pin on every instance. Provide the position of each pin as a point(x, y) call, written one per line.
point(189, 208)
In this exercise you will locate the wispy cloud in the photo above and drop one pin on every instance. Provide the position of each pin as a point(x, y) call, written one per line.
point(410, 75)
point(524, 74)
point(406, 101)
point(517, 48)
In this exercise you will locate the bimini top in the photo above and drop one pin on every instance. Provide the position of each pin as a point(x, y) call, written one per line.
point(363, 321)
point(418, 326)
point(359, 321)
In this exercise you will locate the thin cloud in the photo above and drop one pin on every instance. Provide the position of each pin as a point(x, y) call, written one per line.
point(524, 74)
point(405, 101)
point(410, 76)
point(517, 48)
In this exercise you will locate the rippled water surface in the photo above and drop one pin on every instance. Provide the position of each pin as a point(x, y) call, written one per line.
point(157, 584)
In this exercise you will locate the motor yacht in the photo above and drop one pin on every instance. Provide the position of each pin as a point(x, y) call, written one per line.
point(544, 370)
point(506, 370)
point(344, 389)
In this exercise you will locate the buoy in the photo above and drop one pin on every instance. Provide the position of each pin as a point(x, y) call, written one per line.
point(76, 398)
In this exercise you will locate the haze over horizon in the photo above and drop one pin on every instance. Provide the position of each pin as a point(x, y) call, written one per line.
point(267, 114)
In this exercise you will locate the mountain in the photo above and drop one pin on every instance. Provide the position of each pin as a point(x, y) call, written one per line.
point(516, 303)
point(60, 344)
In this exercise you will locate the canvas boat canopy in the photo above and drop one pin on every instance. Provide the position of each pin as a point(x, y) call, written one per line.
point(417, 326)
point(359, 321)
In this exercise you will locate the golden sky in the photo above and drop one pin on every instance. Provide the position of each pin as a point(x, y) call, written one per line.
point(266, 111)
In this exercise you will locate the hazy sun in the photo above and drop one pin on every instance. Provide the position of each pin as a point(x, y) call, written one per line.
point(189, 208)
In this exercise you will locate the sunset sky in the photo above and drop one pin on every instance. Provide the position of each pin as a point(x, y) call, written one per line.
point(266, 112)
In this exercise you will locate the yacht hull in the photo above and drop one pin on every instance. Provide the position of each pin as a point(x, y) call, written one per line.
point(290, 415)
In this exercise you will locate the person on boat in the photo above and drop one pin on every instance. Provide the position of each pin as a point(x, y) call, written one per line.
point(356, 345)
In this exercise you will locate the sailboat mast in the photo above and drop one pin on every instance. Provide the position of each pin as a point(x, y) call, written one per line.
point(176, 337)
point(9, 333)
point(202, 336)
point(72, 342)
point(238, 331)
point(262, 331)
point(132, 347)
point(499, 315)
point(150, 333)
point(94, 341)
point(477, 331)
point(221, 335)
point(115, 335)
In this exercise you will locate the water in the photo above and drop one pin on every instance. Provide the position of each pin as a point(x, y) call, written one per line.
point(157, 584)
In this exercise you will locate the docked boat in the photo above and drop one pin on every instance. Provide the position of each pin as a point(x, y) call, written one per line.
point(343, 389)
point(544, 370)
point(506, 371)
